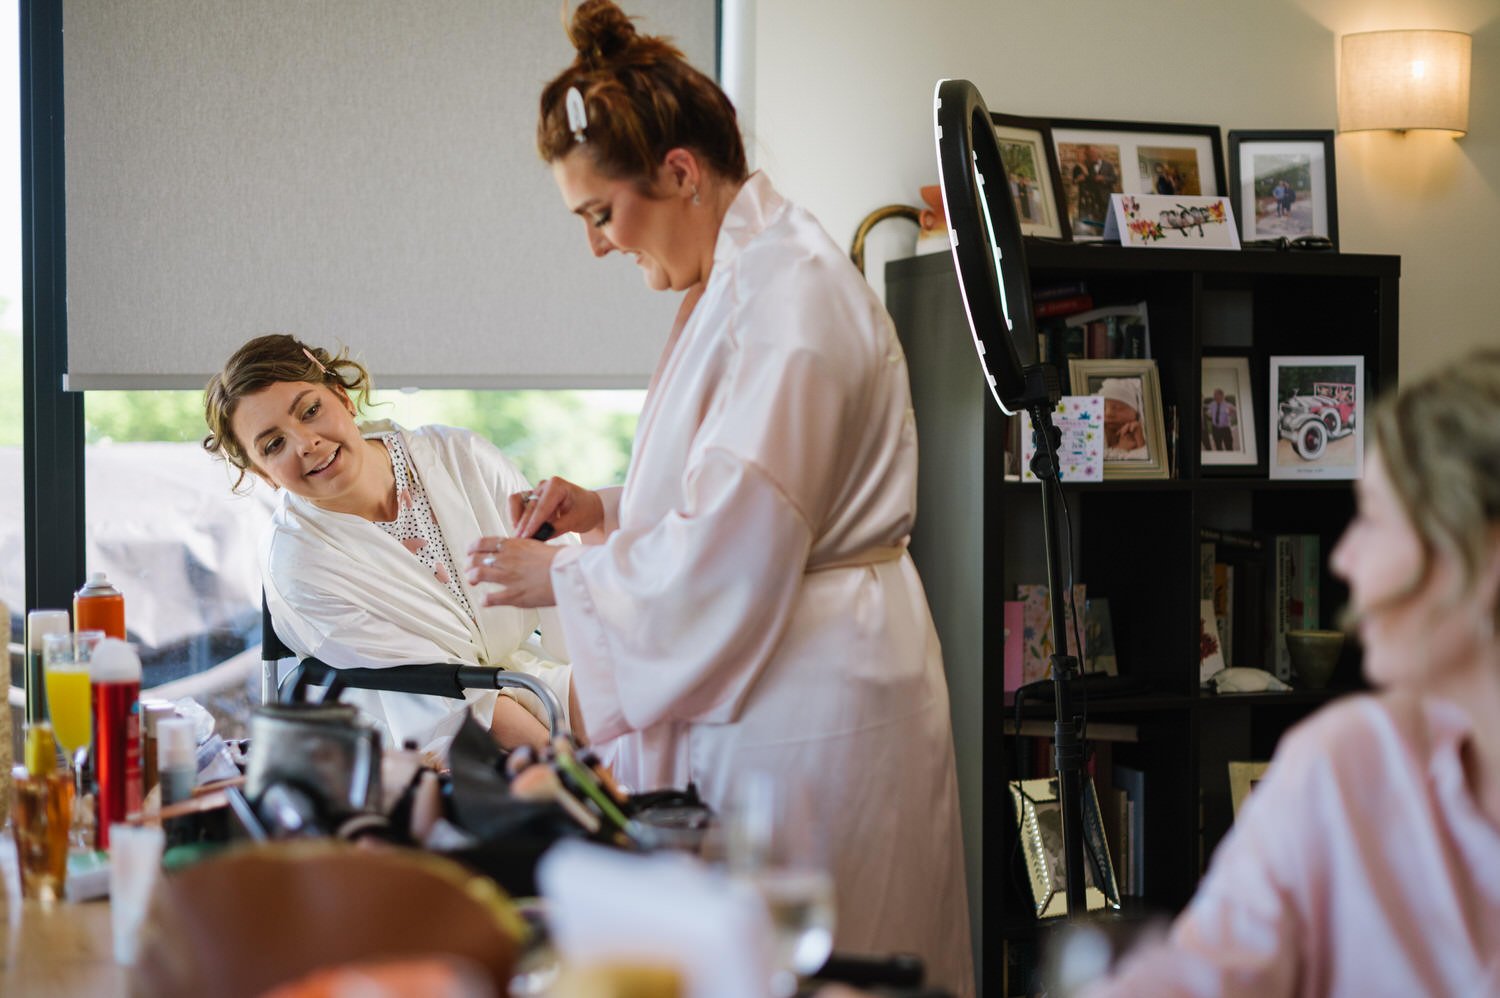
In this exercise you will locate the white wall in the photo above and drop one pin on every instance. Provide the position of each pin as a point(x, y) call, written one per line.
point(842, 115)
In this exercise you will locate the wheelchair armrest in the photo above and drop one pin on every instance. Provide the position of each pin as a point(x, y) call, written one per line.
point(436, 679)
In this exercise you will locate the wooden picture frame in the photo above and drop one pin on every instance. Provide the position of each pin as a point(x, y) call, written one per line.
point(1031, 167)
point(1227, 413)
point(1262, 164)
point(1099, 158)
point(1317, 410)
point(1134, 445)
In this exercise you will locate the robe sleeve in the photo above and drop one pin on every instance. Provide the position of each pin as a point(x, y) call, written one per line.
point(675, 621)
point(1250, 930)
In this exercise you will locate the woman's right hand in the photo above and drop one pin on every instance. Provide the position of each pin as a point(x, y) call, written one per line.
point(557, 501)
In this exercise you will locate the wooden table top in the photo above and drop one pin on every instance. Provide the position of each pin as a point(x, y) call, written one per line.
point(63, 949)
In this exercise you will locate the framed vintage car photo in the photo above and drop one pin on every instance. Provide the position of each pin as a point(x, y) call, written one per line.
point(1317, 417)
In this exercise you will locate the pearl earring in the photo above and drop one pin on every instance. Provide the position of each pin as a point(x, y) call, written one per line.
point(696, 198)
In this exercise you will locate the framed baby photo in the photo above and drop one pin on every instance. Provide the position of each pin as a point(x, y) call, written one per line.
point(1227, 428)
point(1282, 186)
point(1031, 167)
point(1098, 158)
point(1134, 431)
point(1317, 417)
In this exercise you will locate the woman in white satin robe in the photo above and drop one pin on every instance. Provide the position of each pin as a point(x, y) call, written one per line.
point(746, 601)
point(345, 592)
point(358, 562)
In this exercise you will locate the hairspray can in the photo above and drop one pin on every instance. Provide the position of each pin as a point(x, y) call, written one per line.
point(99, 606)
point(115, 693)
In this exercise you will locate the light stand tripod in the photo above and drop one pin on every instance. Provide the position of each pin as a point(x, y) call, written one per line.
point(990, 258)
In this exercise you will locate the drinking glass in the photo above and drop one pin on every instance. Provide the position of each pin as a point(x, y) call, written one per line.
point(773, 842)
point(65, 671)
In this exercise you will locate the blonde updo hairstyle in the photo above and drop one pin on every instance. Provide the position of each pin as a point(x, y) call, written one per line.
point(261, 363)
point(642, 98)
point(1439, 442)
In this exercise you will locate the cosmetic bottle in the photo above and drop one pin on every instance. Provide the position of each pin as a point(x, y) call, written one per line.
point(99, 606)
point(115, 691)
point(43, 814)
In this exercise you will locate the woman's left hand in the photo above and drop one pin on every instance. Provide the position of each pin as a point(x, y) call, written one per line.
point(522, 567)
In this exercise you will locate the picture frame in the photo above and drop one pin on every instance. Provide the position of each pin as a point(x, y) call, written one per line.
point(1098, 158)
point(1135, 444)
point(1243, 776)
point(1227, 413)
point(1300, 162)
point(1038, 811)
point(1317, 408)
point(1031, 167)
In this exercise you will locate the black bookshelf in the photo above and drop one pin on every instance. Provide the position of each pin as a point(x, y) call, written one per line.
point(1135, 542)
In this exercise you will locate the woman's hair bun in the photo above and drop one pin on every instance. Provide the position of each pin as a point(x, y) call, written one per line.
point(600, 31)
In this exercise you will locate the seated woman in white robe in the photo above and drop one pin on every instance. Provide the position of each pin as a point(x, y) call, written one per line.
point(358, 563)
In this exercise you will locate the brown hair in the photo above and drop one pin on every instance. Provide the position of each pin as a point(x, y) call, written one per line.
point(643, 99)
point(261, 363)
point(1439, 441)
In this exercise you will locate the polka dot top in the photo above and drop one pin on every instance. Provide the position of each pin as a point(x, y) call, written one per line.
point(416, 526)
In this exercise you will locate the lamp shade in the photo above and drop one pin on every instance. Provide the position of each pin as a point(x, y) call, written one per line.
point(1402, 80)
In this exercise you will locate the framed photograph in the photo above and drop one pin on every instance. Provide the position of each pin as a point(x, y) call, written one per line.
point(1317, 417)
point(1031, 167)
point(1243, 776)
point(1282, 186)
point(1039, 824)
point(1098, 158)
point(1134, 433)
point(1227, 428)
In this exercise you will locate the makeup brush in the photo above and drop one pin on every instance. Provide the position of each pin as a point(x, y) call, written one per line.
point(540, 783)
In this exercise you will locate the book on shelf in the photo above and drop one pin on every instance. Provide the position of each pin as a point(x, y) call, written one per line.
point(1114, 332)
point(1296, 598)
point(1063, 289)
point(1131, 782)
point(1014, 643)
point(1238, 563)
point(1036, 662)
point(1049, 307)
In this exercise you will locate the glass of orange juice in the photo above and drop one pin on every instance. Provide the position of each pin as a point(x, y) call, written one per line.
point(65, 672)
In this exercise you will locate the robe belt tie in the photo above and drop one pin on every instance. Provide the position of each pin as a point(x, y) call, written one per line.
point(861, 559)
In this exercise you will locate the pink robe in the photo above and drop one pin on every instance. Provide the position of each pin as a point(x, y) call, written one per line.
point(1360, 865)
point(756, 607)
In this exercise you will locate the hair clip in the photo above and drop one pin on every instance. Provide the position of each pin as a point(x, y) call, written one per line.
point(315, 360)
point(578, 115)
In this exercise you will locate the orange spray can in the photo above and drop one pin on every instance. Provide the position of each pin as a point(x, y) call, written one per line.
point(99, 606)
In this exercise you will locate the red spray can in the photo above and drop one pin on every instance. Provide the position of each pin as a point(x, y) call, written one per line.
point(114, 695)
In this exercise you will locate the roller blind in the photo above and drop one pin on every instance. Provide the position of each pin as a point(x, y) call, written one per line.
point(351, 171)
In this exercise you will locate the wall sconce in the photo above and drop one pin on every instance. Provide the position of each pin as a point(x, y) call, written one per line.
point(1401, 80)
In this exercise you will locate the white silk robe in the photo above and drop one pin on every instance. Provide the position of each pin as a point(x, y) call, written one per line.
point(756, 607)
point(341, 589)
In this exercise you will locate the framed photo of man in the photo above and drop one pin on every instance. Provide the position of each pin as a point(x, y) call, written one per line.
point(1134, 432)
point(1227, 423)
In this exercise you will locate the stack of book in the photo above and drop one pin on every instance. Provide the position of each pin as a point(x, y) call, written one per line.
point(1261, 585)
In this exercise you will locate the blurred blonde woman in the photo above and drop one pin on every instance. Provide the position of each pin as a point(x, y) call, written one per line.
point(1367, 862)
point(359, 560)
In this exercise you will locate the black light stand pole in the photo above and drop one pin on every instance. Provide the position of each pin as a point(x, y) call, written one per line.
point(1066, 740)
point(989, 256)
